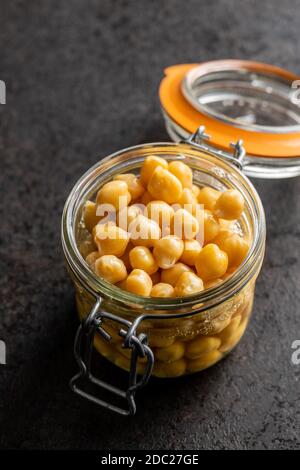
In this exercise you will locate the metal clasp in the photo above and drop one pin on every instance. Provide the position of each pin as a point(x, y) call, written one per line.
point(200, 139)
point(83, 348)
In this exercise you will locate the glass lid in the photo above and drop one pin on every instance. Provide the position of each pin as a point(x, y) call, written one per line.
point(245, 97)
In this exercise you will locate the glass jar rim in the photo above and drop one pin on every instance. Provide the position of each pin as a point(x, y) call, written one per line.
point(197, 302)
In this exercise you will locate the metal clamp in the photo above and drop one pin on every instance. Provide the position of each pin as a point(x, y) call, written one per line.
point(83, 348)
point(200, 139)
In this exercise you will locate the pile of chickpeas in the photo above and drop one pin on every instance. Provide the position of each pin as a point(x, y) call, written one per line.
point(157, 262)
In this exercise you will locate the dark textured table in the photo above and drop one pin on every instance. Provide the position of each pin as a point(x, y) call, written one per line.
point(82, 79)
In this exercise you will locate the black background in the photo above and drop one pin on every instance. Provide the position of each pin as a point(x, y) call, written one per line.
point(82, 80)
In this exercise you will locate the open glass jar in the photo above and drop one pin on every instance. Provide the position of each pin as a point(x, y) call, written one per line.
point(161, 337)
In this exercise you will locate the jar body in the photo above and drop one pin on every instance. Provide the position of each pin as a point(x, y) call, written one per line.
point(180, 345)
point(195, 331)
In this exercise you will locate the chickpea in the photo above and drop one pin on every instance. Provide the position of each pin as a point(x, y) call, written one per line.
point(135, 187)
point(110, 268)
point(161, 213)
point(90, 218)
point(114, 193)
point(191, 250)
point(211, 226)
point(149, 166)
point(167, 251)
point(127, 215)
point(184, 225)
point(229, 205)
point(187, 284)
point(162, 290)
point(235, 247)
point(139, 282)
point(122, 284)
point(182, 172)
point(188, 201)
point(169, 369)
point(201, 345)
point(211, 262)
point(171, 275)
point(158, 340)
point(196, 190)
point(165, 186)
point(204, 361)
point(111, 240)
point(214, 283)
point(170, 353)
point(225, 334)
point(208, 197)
point(91, 259)
point(141, 258)
point(143, 231)
point(125, 257)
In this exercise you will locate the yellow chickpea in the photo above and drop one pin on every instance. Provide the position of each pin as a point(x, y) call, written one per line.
point(141, 258)
point(110, 268)
point(201, 345)
point(188, 200)
point(187, 284)
point(182, 172)
point(191, 250)
point(149, 166)
point(167, 251)
point(127, 215)
point(204, 361)
point(139, 282)
point(162, 290)
point(208, 197)
point(169, 369)
point(184, 225)
point(89, 215)
point(170, 353)
point(171, 275)
point(111, 240)
point(165, 186)
point(134, 184)
point(211, 262)
point(235, 247)
point(161, 213)
point(214, 283)
point(211, 226)
point(229, 205)
point(91, 259)
point(114, 193)
point(144, 231)
point(87, 247)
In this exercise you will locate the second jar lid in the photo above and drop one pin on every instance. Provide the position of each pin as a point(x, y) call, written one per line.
point(234, 99)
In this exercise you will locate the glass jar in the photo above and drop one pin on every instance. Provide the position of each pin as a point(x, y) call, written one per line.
point(160, 337)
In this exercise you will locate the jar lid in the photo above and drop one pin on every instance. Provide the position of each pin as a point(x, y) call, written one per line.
point(234, 100)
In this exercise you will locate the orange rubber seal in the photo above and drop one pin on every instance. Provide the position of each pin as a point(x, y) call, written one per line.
point(187, 117)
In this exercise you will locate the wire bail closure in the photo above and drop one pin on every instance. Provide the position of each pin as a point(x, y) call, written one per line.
point(200, 139)
point(83, 348)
